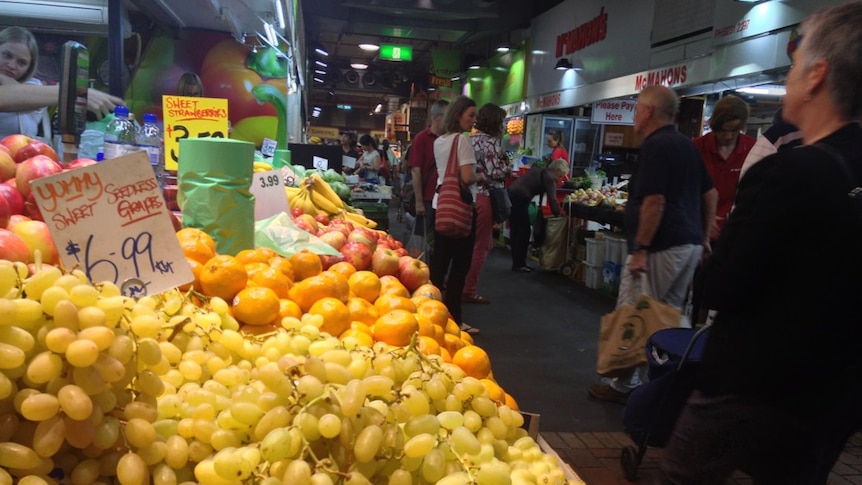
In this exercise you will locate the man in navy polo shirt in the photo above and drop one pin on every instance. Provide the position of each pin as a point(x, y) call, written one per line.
point(672, 203)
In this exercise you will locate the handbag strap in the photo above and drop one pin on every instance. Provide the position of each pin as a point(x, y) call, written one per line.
point(451, 169)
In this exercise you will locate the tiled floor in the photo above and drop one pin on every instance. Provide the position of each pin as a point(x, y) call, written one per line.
point(595, 458)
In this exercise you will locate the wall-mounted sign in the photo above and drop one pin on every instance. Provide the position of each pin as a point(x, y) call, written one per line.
point(614, 112)
point(614, 139)
point(391, 52)
point(583, 35)
point(139, 253)
point(439, 81)
point(187, 117)
point(345, 107)
point(323, 131)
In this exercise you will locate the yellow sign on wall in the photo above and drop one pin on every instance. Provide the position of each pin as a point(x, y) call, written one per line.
point(325, 132)
point(187, 117)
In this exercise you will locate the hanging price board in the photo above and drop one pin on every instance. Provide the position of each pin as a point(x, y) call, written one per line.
point(187, 117)
point(269, 195)
point(111, 220)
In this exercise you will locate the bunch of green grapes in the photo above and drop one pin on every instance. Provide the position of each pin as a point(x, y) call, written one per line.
point(160, 390)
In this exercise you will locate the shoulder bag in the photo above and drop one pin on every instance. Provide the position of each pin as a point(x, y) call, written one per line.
point(501, 205)
point(539, 223)
point(454, 215)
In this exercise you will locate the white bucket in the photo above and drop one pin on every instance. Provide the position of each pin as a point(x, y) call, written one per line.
point(616, 251)
point(596, 248)
point(593, 276)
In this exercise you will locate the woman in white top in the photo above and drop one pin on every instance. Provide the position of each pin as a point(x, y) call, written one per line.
point(369, 162)
point(19, 56)
point(453, 255)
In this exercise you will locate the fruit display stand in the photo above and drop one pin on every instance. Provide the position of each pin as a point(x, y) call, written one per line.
point(269, 367)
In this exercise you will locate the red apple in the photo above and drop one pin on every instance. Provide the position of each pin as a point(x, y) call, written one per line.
point(400, 252)
point(38, 238)
point(81, 162)
point(413, 272)
point(5, 213)
point(340, 227)
point(13, 143)
point(327, 260)
point(295, 212)
point(5, 150)
point(336, 239)
point(12, 247)
point(36, 147)
point(307, 222)
point(322, 219)
point(13, 198)
point(7, 166)
point(363, 235)
point(15, 219)
point(32, 169)
point(384, 262)
point(31, 208)
point(358, 254)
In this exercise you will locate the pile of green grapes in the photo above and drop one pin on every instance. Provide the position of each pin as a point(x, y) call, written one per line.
point(100, 389)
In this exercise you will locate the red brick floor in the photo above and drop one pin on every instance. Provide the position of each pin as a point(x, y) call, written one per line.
point(595, 458)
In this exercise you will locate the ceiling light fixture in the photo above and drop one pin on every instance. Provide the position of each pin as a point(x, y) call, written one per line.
point(563, 64)
point(279, 11)
point(455, 78)
point(378, 108)
point(504, 47)
point(320, 50)
point(320, 63)
point(369, 47)
point(319, 80)
point(359, 65)
point(320, 71)
point(474, 66)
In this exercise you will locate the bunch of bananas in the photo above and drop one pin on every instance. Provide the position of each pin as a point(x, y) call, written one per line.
point(314, 196)
point(260, 166)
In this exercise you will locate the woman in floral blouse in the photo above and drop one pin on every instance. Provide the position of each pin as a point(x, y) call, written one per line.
point(492, 161)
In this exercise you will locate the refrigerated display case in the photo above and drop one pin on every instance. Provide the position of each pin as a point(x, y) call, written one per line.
point(579, 137)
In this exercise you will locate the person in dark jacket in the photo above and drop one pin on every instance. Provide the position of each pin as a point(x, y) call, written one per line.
point(535, 182)
point(781, 390)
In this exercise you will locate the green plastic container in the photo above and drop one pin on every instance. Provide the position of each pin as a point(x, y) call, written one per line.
point(376, 211)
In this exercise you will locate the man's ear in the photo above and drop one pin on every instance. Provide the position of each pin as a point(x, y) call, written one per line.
point(816, 77)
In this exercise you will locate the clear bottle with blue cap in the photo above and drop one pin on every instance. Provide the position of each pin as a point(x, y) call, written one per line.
point(150, 139)
point(120, 135)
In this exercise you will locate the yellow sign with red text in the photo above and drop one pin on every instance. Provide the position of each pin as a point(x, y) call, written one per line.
point(187, 117)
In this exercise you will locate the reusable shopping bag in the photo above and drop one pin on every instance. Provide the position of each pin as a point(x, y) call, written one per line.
point(625, 331)
point(454, 216)
point(501, 205)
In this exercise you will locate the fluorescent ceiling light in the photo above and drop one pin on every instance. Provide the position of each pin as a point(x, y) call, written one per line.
point(764, 90)
point(279, 10)
point(504, 47)
point(474, 66)
point(359, 65)
point(319, 80)
point(59, 11)
point(321, 51)
point(320, 63)
point(455, 78)
point(369, 47)
point(320, 71)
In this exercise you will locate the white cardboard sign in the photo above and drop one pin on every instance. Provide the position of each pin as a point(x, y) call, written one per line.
point(269, 195)
point(111, 221)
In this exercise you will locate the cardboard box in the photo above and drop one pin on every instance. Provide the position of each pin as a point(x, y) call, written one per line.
point(531, 424)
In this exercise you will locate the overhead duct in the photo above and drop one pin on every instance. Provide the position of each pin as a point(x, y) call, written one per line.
point(94, 12)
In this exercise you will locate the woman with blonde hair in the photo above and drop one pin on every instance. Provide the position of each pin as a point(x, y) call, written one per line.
point(22, 98)
point(190, 84)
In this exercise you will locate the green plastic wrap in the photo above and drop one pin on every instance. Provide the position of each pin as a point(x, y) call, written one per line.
point(280, 234)
point(214, 177)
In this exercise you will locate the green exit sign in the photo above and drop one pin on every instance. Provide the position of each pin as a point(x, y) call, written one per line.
point(396, 52)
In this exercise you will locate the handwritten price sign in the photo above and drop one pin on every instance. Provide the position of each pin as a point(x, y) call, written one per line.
point(187, 117)
point(111, 221)
point(269, 195)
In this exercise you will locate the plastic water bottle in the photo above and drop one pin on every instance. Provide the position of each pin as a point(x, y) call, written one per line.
point(120, 135)
point(150, 139)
